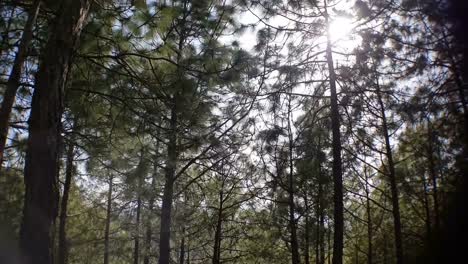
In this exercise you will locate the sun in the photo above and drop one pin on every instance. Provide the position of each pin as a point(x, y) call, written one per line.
point(340, 27)
point(340, 32)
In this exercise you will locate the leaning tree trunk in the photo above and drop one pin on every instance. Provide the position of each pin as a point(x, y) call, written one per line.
point(62, 242)
point(13, 82)
point(392, 178)
point(43, 146)
point(336, 150)
point(166, 208)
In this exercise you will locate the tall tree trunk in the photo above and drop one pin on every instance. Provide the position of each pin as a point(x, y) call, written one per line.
point(140, 177)
point(369, 220)
point(13, 82)
point(182, 248)
point(392, 178)
point(321, 207)
point(63, 243)
point(432, 172)
point(356, 254)
point(426, 209)
point(306, 231)
point(219, 225)
point(317, 228)
point(336, 149)
point(136, 248)
point(108, 220)
point(307, 240)
point(295, 258)
point(43, 146)
point(166, 209)
point(149, 228)
point(329, 245)
point(322, 236)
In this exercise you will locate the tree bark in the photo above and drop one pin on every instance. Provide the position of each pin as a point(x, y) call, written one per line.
point(166, 209)
point(108, 220)
point(336, 149)
point(392, 178)
point(43, 146)
point(63, 243)
point(13, 82)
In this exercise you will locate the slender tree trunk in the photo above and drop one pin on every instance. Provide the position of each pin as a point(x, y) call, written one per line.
point(392, 178)
point(165, 231)
point(140, 175)
point(136, 249)
point(149, 228)
point(321, 206)
point(322, 236)
point(317, 228)
point(13, 82)
point(336, 149)
point(219, 225)
point(306, 231)
point(182, 248)
point(149, 231)
point(63, 243)
point(427, 210)
point(292, 219)
point(307, 240)
point(356, 253)
point(108, 220)
point(43, 146)
point(432, 172)
point(369, 221)
point(149, 234)
point(329, 245)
